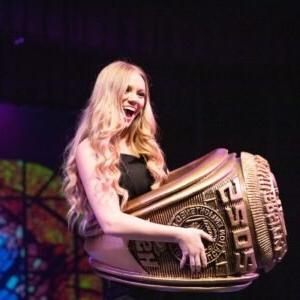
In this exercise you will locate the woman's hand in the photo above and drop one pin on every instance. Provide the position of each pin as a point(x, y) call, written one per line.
point(191, 245)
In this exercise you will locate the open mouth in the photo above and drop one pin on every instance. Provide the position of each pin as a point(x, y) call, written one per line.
point(129, 112)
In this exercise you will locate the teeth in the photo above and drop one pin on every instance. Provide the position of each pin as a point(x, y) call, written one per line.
point(129, 108)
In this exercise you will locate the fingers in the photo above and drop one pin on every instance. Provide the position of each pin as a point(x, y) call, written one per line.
point(192, 264)
point(193, 248)
point(182, 261)
point(198, 261)
point(197, 264)
point(207, 236)
point(203, 257)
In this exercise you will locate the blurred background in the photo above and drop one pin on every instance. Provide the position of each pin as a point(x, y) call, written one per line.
point(222, 75)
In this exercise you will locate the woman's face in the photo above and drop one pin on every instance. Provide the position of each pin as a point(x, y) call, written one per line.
point(134, 98)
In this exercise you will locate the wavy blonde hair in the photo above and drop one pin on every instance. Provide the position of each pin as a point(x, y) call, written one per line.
point(102, 123)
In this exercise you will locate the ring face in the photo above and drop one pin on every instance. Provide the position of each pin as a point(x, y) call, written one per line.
point(204, 218)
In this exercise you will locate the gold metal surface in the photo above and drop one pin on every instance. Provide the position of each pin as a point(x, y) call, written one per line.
point(181, 178)
point(236, 200)
point(135, 276)
point(225, 284)
point(233, 287)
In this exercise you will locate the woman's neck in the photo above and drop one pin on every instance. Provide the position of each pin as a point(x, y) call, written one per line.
point(126, 148)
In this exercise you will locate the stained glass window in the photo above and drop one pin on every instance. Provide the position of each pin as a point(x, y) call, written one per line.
point(39, 257)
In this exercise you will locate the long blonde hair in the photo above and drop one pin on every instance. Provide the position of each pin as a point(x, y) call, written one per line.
point(102, 123)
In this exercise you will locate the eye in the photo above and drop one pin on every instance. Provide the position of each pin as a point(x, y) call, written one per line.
point(141, 94)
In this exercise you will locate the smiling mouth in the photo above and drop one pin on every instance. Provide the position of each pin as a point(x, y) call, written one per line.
point(129, 113)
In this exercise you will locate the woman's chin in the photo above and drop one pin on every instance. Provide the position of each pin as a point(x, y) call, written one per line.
point(127, 123)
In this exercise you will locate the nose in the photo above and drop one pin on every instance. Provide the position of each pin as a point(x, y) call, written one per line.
point(135, 101)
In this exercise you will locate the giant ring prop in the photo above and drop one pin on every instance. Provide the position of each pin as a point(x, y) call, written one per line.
point(234, 199)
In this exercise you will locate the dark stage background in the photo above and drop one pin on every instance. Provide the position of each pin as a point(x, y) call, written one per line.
point(222, 75)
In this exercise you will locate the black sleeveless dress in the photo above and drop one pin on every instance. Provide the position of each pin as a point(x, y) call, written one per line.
point(136, 178)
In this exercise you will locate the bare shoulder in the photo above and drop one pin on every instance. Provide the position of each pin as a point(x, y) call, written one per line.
point(84, 147)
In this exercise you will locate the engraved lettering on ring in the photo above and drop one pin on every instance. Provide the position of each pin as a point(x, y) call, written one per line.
point(204, 218)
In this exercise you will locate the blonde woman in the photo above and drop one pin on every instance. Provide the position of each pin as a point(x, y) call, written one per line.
point(114, 157)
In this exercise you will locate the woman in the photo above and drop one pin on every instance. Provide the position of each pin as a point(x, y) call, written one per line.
point(114, 157)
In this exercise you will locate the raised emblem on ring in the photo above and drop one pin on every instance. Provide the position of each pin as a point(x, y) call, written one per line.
point(204, 218)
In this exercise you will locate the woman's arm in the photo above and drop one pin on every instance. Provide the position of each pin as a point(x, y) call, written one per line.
point(105, 204)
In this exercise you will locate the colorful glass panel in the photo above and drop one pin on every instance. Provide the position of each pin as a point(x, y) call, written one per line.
point(39, 257)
